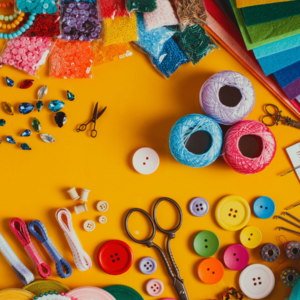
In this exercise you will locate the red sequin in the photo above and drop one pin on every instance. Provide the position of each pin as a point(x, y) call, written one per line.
point(112, 8)
point(44, 26)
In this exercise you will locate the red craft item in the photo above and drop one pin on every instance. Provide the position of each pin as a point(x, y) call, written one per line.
point(109, 9)
point(26, 84)
point(115, 257)
point(44, 25)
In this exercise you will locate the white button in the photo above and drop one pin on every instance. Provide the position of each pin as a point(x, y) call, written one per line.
point(257, 281)
point(89, 225)
point(145, 161)
point(102, 219)
point(102, 206)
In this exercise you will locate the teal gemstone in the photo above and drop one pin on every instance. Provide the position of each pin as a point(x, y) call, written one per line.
point(10, 140)
point(70, 96)
point(39, 105)
point(2, 122)
point(40, 295)
point(35, 297)
point(46, 294)
point(56, 105)
point(24, 146)
point(55, 292)
point(36, 124)
point(26, 132)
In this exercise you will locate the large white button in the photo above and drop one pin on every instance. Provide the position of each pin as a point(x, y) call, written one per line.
point(102, 206)
point(145, 161)
point(257, 281)
point(89, 225)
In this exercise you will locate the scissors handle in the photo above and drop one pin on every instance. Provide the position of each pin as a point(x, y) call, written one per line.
point(290, 122)
point(81, 127)
point(93, 133)
point(180, 289)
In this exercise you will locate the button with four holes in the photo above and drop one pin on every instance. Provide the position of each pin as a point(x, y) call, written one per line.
point(250, 237)
point(199, 207)
point(145, 161)
point(236, 257)
point(115, 257)
point(89, 225)
point(148, 265)
point(257, 281)
point(233, 213)
point(206, 243)
point(102, 206)
point(264, 207)
point(102, 219)
point(154, 287)
point(210, 271)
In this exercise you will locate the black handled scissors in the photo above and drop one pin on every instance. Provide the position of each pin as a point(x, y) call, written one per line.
point(274, 117)
point(177, 281)
point(96, 116)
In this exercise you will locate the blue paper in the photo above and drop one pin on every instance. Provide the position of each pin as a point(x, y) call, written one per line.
point(288, 75)
point(278, 61)
point(278, 46)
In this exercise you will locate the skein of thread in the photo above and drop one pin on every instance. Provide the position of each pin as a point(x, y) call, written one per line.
point(232, 153)
point(228, 97)
point(196, 128)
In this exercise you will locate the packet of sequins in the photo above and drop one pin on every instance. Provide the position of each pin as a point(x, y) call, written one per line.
point(80, 20)
point(36, 6)
point(28, 54)
point(141, 6)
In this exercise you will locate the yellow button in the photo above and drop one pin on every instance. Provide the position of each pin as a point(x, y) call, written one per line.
point(250, 237)
point(233, 212)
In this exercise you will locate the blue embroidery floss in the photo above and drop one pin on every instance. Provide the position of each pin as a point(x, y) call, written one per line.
point(196, 140)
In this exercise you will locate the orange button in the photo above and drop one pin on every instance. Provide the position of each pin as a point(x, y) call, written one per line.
point(210, 271)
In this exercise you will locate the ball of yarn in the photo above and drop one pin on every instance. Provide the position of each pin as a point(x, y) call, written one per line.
point(265, 144)
point(196, 140)
point(228, 97)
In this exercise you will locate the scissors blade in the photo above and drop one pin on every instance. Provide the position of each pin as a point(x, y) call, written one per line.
point(101, 112)
point(95, 113)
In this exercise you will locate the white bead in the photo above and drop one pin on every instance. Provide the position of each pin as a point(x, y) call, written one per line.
point(102, 206)
point(80, 208)
point(102, 219)
point(73, 193)
point(84, 195)
point(89, 225)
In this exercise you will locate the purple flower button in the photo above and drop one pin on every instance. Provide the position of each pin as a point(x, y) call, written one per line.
point(148, 265)
point(199, 207)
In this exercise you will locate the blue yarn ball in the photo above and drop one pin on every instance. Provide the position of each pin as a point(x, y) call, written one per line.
point(181, 133)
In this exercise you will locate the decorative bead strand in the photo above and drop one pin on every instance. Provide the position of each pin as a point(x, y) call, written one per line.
point(20, 31)
point(6, 4)
point(14, 24)
point(8, 18)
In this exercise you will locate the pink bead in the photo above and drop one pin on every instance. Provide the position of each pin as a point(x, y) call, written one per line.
point(5, 61)
point(18, 57)
point(17, 43)
point(30, 48)
point(14, 51)
point(26, 68)
point(62, 294)
point(11, 62)
point(20, 51)
point(24, 57)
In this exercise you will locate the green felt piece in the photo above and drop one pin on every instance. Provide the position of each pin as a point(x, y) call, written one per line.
point(260, 14)
point(262, 34)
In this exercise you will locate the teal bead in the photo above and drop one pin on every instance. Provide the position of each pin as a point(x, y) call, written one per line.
point(5, 36)
point(10, 36)
point(26, 26)
point(22, 29)
point(46, 294)
point(6, 18)
point(55, 292)
point(1, 17)
point(50, 293)
point(32, 18)
point(29, 22)
point(40, 295)
point(1, 35)
point(14, 35)
point(35, 297)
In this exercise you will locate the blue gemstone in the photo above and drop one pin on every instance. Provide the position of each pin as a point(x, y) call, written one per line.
point(9, 82)
point(26, 132)
point(39, 105)
point(10, 139)
point(24, 146)
point(70, 96)
point(26, 108)
point(2, 122)
point(56, 105)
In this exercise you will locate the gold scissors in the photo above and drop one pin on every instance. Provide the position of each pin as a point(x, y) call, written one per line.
point(274, 117)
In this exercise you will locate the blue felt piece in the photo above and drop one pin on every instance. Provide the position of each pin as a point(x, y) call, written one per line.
point(278, 46)
point(278, 61)
point(288, 75)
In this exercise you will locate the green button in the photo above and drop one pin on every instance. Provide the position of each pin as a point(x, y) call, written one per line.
point(123, 292)
point(206, 243)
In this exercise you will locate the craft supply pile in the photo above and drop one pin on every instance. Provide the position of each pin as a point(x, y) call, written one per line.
point(78, 35)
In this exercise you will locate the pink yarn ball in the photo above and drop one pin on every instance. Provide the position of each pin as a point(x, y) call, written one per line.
point(232, 153)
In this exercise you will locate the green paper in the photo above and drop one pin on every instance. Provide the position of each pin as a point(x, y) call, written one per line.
point(265, 33)
point(260, 14)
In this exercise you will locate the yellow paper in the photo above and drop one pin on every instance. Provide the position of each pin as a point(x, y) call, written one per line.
point(245, 3)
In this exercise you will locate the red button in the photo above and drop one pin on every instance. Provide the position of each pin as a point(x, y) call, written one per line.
point(115, 257)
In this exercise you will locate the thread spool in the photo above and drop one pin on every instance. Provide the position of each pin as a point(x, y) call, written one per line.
point(292, 250)
point(269, 252)
point(289, 277)
point(80, 208)
point(73, 194)
point(196, 140)
point(84, 195)
point(249, 147)
point(228, 97)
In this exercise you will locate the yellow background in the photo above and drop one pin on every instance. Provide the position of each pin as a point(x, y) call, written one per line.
point(142, 108)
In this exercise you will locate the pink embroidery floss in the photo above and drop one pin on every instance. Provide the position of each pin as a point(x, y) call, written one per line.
point(228, 97)
point(249, 147)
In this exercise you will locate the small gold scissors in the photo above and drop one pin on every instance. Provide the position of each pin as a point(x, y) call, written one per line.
point(271, 119)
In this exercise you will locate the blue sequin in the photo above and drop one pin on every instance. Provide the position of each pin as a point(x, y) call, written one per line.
point(152, 41)
point(170, 59)
point(56, 105)
point(26, 108)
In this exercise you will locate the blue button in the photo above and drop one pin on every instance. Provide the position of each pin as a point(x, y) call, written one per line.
point(264, 207)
